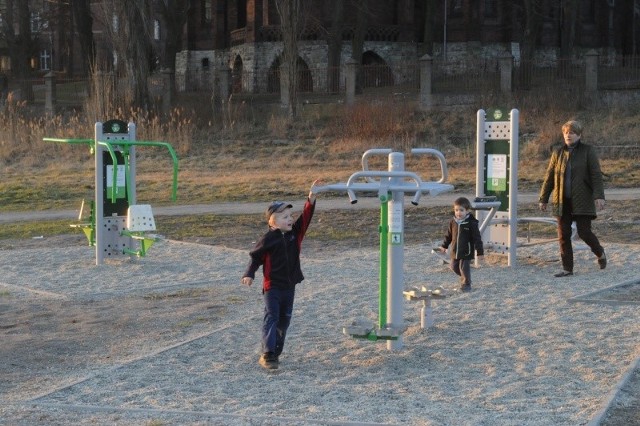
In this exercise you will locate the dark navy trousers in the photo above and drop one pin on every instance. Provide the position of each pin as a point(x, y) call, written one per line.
point(278, 308)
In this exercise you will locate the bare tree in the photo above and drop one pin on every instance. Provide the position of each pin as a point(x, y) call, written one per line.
point(21, 44)
point(129, 24)
point(530, 11)
point(357, 44)
point(334, 43)
point(139, 52)
point(428, 30)
point(173, 14)
point(56, 19)
point(289, 11)
point(569, 15)
point(83, 22)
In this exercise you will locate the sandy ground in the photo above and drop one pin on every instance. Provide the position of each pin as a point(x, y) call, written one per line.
point(173, 338)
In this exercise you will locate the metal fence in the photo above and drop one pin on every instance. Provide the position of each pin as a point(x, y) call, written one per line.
point(470, 76)
point(619, 72)
point(473, 76)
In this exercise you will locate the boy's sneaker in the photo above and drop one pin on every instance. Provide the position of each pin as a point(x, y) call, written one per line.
point(602, 261)
point(465, 288)
point(563, 274)
point(269, 361)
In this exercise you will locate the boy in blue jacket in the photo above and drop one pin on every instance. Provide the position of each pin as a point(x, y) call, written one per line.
point(464, 237)
point(278, 252)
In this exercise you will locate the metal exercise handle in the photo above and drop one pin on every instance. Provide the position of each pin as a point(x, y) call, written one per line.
point(440, 156)
point(381, 174)
point(127, 143)
point(89, 142)
point(368, 153)
point(375, 186)
point(109, 146)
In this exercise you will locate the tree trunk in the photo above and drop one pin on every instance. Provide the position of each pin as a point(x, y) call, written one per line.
point(529, 36)
point(84, 23)
point(429, 28)
point(174, 13)
point(358, 40)
point(20, 46)
point(335, 46)
point(138, 51)
point(289, 11)
point(569, 10)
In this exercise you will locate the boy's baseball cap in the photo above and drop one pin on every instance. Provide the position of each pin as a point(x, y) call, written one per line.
point(277, 207)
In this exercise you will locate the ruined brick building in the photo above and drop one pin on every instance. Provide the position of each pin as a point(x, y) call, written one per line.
point(244, 36)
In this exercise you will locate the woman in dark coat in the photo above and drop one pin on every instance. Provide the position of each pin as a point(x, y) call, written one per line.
point(574, 180)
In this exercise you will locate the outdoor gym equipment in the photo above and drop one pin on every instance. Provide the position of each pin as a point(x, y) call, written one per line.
point(425, 295)
point(497, 178)
point(391, 186)
point(117, 225)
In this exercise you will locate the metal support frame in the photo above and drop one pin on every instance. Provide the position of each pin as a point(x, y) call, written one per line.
point(499, 233)
point(391, 186)
point(499, 226)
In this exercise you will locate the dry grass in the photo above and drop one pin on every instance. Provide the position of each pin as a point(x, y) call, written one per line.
point(256, 154)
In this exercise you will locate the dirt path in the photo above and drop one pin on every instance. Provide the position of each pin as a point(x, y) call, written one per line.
point(258, 207)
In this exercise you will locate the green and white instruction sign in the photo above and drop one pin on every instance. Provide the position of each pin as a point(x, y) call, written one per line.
point(497, 172)
point(120, 180)
point(396, 224)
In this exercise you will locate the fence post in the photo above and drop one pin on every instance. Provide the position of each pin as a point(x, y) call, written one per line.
point(591, 71)
point(168, 86)
point(506, 72)
point(221, 91)
point(426, 75)
point(224, 84)
point(50, 93)
point(350, 83)
point(284, 86)
point(4, 87)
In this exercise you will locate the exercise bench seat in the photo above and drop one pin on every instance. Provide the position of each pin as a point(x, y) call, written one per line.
point(139, 222)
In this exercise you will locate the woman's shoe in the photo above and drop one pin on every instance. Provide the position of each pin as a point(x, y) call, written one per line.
point(563, 274)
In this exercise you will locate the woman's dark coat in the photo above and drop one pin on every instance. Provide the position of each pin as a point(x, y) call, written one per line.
point(586, 180)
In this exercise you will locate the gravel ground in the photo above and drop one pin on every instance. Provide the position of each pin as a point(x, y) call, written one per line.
point(173, 338)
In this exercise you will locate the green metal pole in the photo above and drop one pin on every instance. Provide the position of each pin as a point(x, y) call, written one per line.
point(108, 145)
point(89, 142)
point(171, 152)
point(114, 188)
point(127, 173)
point(384, 238)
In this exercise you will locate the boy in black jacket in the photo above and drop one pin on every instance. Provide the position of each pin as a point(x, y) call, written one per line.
point(464, 237)
point(278, 252)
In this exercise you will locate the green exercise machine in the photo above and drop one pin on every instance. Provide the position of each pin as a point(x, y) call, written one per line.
point(117, 225)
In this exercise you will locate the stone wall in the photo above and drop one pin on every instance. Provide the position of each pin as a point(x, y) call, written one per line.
point(255, 63)
point(258, 59)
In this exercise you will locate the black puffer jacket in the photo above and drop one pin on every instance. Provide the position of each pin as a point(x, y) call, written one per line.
point(279, 254)
point(464, 238)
